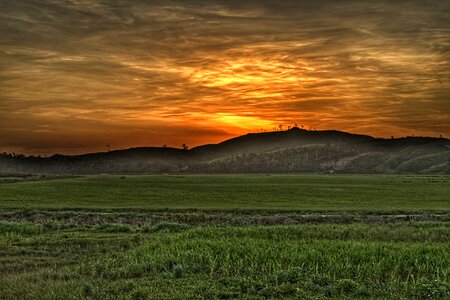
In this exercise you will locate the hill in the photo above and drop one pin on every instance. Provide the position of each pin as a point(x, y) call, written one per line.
point(294, 150)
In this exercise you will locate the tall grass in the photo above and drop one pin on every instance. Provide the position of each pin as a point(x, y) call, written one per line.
point(282, 255)
point(172, 261)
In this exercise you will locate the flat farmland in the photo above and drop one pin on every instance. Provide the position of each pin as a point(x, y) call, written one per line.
point(225, 237)
point(233, 192)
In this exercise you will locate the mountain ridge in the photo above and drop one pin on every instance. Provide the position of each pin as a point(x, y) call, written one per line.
point(294, 150)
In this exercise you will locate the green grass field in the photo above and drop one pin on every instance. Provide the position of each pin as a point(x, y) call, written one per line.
point(276, 192)
point(169, 261)
point(225, 237)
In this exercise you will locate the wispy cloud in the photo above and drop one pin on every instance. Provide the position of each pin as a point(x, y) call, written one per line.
point(77, 74)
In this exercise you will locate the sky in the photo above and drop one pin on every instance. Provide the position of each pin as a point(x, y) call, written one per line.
point(76, 75)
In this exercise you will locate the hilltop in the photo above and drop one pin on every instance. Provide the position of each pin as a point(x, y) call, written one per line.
point(294, 150)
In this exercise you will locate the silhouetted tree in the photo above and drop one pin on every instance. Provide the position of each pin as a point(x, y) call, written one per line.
point(184, 146)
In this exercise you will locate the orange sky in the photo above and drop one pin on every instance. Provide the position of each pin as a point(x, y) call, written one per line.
point(76, 75)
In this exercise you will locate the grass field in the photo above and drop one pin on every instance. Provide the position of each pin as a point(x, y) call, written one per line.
point(276, 192)
point(225, 237)
point(170, 261)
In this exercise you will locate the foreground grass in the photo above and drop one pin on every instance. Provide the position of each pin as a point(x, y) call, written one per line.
point(274, 192)
point(202, 237)
point(173, 261)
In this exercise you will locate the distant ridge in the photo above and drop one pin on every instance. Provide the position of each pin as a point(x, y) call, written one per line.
point(294, 150)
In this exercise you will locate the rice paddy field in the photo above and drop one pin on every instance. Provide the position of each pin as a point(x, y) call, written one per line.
point(225, 237)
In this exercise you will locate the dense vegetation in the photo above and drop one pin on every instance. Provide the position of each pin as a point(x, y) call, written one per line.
point(291, 151)
point(171, 261)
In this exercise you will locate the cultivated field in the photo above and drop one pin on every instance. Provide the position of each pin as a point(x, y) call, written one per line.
point(225, 237)
point(236, 192)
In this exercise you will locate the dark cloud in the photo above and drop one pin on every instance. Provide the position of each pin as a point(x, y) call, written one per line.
point(74, 73)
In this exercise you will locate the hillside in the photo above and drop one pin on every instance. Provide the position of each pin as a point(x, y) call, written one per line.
point(294, 150)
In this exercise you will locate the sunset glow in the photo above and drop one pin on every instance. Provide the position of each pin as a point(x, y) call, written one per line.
point(77, 75)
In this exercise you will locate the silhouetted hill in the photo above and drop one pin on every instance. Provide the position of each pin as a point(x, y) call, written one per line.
point(269, 141)
point(294, 150)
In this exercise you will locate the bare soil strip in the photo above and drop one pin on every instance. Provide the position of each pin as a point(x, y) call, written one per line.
point(189, 217)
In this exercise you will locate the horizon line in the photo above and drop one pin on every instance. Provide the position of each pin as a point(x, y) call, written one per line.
point(181, 147)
